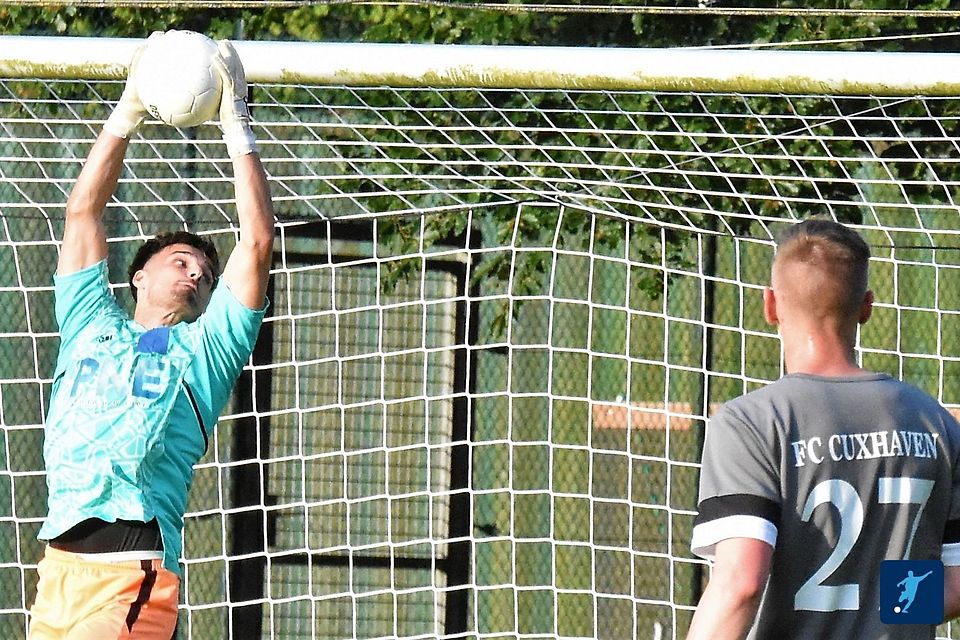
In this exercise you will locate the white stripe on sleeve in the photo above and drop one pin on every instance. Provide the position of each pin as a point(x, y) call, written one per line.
point(708, 534)
point(950, 554)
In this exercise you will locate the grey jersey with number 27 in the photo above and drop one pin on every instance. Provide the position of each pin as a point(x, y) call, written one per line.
point(837, 474)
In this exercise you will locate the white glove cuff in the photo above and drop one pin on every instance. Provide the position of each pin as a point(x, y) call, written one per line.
point(237, 133)
point(123, 122)
point(239, 140)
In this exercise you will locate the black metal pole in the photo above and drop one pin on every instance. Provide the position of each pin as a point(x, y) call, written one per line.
point(248, 527)
point(703, 393)
point(460, 553)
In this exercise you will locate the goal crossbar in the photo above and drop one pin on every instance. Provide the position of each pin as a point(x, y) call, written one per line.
point(520, 67)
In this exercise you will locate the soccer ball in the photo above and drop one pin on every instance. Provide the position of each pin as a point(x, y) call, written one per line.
point(176, 80)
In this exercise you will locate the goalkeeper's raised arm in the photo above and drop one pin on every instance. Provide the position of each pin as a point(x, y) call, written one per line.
point(84, 238)
point(248, 267)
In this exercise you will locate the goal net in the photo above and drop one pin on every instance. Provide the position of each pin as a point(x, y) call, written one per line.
point(508, 290)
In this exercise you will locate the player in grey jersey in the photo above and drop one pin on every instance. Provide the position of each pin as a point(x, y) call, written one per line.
point(811, 482)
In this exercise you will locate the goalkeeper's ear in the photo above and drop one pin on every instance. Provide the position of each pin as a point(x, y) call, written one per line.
point(234, 114)
point(130, 113)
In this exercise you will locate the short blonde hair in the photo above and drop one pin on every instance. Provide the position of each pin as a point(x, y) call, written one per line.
point(835, 258)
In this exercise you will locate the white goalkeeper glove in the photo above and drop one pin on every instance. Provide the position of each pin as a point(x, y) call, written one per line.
point(129, 113)
point(234, 114)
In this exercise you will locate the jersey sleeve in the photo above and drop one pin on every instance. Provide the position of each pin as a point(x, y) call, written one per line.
point(739, 483)
point(228, 334)
point(80, 297)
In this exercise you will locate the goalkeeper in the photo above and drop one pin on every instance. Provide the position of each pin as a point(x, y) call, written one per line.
point(134, 399)
point(809, 483)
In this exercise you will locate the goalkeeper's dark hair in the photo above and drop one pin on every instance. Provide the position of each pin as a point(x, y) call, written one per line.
point(154, 245)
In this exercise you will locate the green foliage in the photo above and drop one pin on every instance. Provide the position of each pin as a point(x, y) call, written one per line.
point(379, 23)
point(119, 22)
point(479, 25)
point(538, 149)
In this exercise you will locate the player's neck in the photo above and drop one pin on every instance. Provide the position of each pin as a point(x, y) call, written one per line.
point(821, 354)
point(151, 317)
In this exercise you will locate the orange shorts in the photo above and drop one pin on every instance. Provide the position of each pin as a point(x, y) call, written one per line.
point(82, 599)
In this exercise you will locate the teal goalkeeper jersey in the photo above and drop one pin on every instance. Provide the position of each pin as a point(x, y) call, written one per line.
point(131, 409)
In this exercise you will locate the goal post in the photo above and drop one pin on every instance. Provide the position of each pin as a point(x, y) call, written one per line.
point(510, 286)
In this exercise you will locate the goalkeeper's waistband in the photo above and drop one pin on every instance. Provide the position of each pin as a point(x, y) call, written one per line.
point(95, 536)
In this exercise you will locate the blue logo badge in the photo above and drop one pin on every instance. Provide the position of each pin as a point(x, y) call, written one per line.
point(911, 591)
point(155, 340)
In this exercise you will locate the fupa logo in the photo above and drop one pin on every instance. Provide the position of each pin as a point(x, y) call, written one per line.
point(911, 591)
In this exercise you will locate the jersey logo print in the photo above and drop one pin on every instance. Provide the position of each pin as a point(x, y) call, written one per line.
point(106, 383)
point(865, 446)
